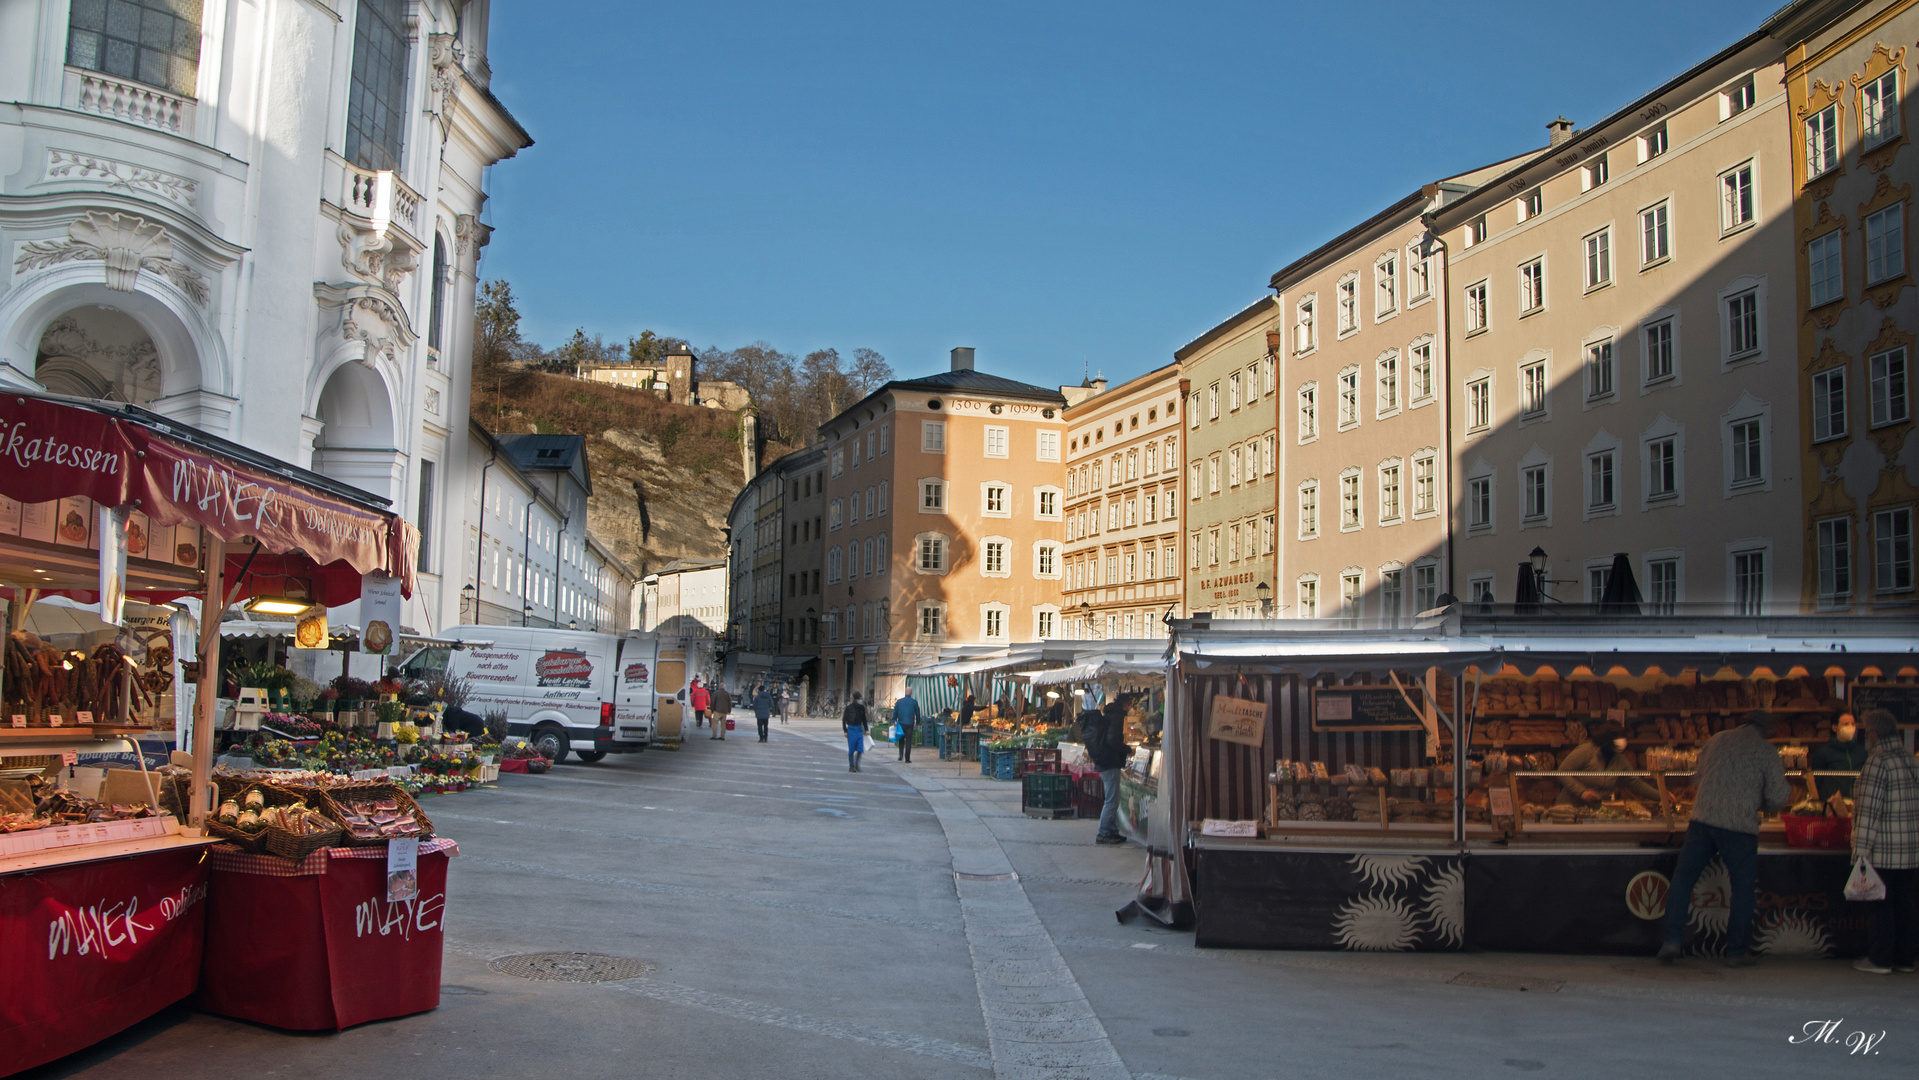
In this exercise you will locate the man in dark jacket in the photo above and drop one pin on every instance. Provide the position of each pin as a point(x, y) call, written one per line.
point(722, 708)
point(1844, 752)
point(906, 713)
point(763, 708)
point(1105, 738)
point(853, 723)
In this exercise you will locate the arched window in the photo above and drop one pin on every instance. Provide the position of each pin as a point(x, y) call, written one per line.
point(436, 313)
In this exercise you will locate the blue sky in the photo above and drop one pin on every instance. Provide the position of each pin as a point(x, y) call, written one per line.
point(1055, 184)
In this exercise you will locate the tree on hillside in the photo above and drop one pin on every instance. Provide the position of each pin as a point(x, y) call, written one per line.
point(580, 352)
point(650, 349)
point(794, 397)
point(496, 327)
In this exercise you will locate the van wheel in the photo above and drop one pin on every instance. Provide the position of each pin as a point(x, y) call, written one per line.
point(551, 742)
point(589, 756)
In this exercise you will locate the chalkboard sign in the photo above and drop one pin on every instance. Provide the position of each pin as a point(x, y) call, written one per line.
point(1901, 701)
point(1366, 708)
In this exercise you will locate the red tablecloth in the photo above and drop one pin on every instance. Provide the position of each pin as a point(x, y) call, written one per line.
point(89, 950)
point(315, 945)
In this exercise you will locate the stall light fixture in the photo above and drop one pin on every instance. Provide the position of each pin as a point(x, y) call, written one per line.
point(277, 605)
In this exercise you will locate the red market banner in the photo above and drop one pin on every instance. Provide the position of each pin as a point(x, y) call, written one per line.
point(50, 450)
point(90, 950)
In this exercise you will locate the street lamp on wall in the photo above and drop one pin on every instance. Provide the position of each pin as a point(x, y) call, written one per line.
point(467, 593)
point(526, 615)
point(1265, 594)
point(1086, 613)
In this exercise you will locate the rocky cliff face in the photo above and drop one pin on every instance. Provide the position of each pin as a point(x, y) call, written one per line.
point(664, 475)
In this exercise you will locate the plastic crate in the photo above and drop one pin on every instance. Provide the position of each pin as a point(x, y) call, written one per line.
point(1038, 759)
point(1006, 765)
point(1089, 795)
point(1047, 794)
point(959, 746)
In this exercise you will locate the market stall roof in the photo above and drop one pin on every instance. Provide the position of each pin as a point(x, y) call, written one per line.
point(290, 527)
point(1637, 645)
point(1098, 669)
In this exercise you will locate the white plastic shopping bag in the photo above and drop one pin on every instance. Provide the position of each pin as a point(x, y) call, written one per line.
point(1864, 883)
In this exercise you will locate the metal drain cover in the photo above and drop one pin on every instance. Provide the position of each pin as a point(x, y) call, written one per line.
point(578, 967)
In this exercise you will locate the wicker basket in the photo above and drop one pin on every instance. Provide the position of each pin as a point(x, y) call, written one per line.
point(330, 800)
point(284, 843)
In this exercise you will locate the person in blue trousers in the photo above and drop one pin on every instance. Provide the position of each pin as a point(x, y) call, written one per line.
point(906, 713)
point(853, 722)
point(1738, 775)
point(1105, 739)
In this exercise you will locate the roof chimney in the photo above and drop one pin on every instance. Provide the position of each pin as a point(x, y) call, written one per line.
point(962, 359)
point(1561, 129)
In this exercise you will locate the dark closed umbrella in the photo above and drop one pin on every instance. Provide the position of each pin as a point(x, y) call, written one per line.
point(1622, 591)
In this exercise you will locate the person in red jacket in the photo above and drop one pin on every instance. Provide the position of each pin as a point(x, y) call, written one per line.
point(702, 699)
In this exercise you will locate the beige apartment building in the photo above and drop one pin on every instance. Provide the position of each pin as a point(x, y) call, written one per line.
point(1231, 469)
point(943, 523)
point(1360, 465)
point(1122, 570)
point(1622, 351)
point(1847, 82)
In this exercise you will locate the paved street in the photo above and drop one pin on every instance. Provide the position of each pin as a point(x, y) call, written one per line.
point(805, 922)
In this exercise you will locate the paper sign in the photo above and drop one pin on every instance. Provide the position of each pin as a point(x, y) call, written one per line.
point(113, 562)
point(1238, 720)
point(1217, 827)
point(402, 869)
point(84, 717)
point(379, 613)
point(1616, 714)
point(69, 757)
point(53, 720)
point(19, 720)
point(1499, 801)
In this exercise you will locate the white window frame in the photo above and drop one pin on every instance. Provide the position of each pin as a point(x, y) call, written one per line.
point(1656, 235)
point(938, 609)
point(1348, 383)
point(1532, 286)
point(996, 433)
point(944, 551)
point(1391, 475)
point(1769, 568)
point(1385, 287)
point(1306, 596)
point(1826, 269)
point(1420, 358)
point(1535, 478)
point(1648, 382)
point(1892, 570)
point(1878, 124)
point(1480, 588)
point(1739, 197)
point(1535, 387)
point(1653, 142)
point(1479, 402)
point(1756, 288)
point(939, 488)
point(1747, 411)
point(1834, 564)
point(987, 546)
point(1040, 496)
point(1425, 483)
point(1597, 261)
point(1046, 622)
point(1419, 275)
point(1352, 595)
point(1388, 385)
point(1662, 428)
point(1603, 448)
point(1596, 172)
point(1737, 98)
point(1890, 242)
point(1890, 393)
point(1823, 150)
point(1478, 319)
point(1042, 549)
point(1482, 499)
point(1046, 445)
point(932, 436)
point(1308, 422)
point(1306, 325)
point(1676, 558)
point(1828, 384)
point(1352, 501)
point(986, 490)
point(1346, 304)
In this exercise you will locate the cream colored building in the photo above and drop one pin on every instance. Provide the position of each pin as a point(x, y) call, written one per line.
point(1622, 362)
point(1848, 126)
point(1231, 465)
point(943, 523)
point(1362, 479)
point(1123, 509)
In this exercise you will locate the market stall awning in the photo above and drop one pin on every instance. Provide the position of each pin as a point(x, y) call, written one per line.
point(285, 522)
point(1098, 669)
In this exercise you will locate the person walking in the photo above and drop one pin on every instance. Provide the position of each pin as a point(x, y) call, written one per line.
point(1105, 737)
point(722, 708)
point(1738, 775)
point(1844, 752)
point(1885, 833)
point(702, 700)
point(853, 722)
point(762, 708)
point(906, 713)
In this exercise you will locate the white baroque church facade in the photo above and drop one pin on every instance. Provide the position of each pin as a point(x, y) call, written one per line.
point(262, 220)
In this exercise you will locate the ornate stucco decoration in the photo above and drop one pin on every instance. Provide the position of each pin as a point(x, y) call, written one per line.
point(446, 55)
point(368, 314)
point(120, 176)
point(467, 231)
point(125, 243)
point(375, 256)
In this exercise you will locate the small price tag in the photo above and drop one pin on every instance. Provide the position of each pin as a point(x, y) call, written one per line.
point(53, 720)
point(69, 757)
point(19, 720)
point(1499, 801)
point(402, 869)
point(84, 717)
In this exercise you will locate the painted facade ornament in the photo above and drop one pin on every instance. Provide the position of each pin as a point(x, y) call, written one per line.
point(468, 231)
point(120, 176)
point(125, 243)
point(445, 54)
point(374, 257)
point(370, 315)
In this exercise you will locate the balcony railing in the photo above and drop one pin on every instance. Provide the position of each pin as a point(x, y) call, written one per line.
point(135, 103)
point(380, 197)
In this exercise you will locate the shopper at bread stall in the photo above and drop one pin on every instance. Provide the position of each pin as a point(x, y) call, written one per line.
point(1844, 752)
point(1604, 751)
point(1738, 775)
point(1885, 833)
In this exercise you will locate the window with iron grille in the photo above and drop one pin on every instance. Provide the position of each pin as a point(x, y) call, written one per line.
point(156, 42)
point(376, 96)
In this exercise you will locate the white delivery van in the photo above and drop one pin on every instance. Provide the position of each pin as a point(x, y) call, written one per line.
point(561, 689)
